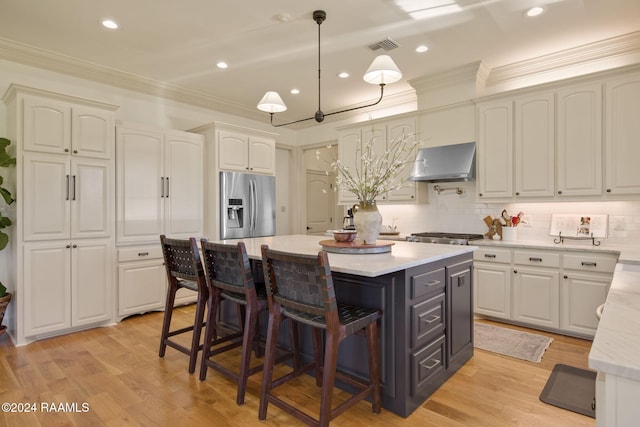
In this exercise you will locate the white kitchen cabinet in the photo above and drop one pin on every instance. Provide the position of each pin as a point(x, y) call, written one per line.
point(58, 126)
point(495, 149)
point(67, 285)
point(160, 180)
point(492, 282)
point(142, 280)
point(579, 141)
point(245, 152)
point(622, 128)
point(536, 296)
point(395, 131)
point(534, 145)
point(66, 197)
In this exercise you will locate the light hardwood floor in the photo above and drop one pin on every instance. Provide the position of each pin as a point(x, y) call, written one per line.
point(117, 372)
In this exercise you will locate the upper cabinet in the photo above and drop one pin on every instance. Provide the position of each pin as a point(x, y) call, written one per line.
point(60, 127)
point(561, 142)
point(353, 140)
point(246, 152)
point(622, 129)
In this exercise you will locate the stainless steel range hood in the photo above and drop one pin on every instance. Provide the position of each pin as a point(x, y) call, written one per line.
point(447, 163)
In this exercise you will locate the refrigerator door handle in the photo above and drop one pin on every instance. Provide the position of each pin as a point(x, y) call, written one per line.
point(254, 206)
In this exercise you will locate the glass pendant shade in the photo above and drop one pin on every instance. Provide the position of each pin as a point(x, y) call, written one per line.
point(272, 103)
point(382, 71)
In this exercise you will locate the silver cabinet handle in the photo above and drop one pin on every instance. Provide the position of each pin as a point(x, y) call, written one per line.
point(489, 255)
point(143, 253)
point(435, 363)
point(161, 186)
point(166, 180)
point(588, 264)
point(534, 259)
point(68, 190)
point(432, 319)
point(74, 187)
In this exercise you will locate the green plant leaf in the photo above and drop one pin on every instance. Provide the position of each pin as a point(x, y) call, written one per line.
point(5, 158)
point(4, 240)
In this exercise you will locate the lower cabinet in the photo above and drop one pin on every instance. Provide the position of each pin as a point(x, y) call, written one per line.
point(67, 284)
point(552, 289)
point(142, 281)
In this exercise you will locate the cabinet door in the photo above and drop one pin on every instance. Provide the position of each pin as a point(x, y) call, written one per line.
point(262, 155)
point(581, 296)
point(91, 194)
point(623, 128)
point(459, 310)
point(536, 296)
point(46, 197)
point(92, 132)
point(495, 150)
point(91, 282)
point(184, 195)
point(46, 125)
point(579, 144)
point(492, 285)
point(140, 185)
point(142, 287)
point(349, 155)
point(534, 146)
point(47, 274)
point(233, 151)
point(395, 130)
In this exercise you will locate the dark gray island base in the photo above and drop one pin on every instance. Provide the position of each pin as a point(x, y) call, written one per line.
point(426, 330)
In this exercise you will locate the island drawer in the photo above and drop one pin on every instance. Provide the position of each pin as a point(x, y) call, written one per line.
point(427, 320)
point(426, 365)
point(538, 259)
point(492, 255)
point(602, 263)
point(423, 284)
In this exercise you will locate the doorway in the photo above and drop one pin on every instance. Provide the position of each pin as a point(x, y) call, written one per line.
point(320, 202)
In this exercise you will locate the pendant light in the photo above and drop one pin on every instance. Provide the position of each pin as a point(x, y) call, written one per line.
point(382, 71)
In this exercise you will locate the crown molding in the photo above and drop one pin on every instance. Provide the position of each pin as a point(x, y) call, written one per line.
point(467, 73)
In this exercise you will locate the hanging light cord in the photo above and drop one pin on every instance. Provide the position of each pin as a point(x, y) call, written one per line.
point(319, 16)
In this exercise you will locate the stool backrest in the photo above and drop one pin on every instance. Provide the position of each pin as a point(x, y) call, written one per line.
point(182, 258)
point(227, 266)
point(299, 282)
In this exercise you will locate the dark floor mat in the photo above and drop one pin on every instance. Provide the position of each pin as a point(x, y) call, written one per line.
point(571, 388)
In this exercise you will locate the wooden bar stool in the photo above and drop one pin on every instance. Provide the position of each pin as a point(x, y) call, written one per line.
point(300, 287)
point(184, 270)
point(229, 277)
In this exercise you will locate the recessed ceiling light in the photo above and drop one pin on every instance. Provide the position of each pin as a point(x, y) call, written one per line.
point(222, 65)
point(295, 91)
point(110, 24)
point(534, 11)
point(343, 75)
point(422, 48)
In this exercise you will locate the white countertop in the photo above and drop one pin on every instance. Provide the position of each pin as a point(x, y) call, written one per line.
point(403, 255)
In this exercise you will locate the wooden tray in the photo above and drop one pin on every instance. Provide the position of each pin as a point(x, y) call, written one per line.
point(355, 247)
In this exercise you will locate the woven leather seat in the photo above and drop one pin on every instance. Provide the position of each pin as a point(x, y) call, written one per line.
point(300, 287)
point(229, 277)
point(184, 270)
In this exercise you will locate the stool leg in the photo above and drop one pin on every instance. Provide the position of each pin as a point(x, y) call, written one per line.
point(197, 331)
point(166, 322)
point(210, 333)
point(328, 377)
point(251, 318)
point(374, 366)
point(275, 318)
point(317, 355)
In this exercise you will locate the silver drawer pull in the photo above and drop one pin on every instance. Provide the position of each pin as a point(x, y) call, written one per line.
point(432, 283)
point(588, 264)
point(489, 255)
point(432, 319)
point(143, 253)
point(534, 259)
point(435, 363)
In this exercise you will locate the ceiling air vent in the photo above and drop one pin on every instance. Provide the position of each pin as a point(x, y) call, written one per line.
point(386, 44)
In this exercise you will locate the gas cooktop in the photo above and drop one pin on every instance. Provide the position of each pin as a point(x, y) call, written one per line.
point(444, 238)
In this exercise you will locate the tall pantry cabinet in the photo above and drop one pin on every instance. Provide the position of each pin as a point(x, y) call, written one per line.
point(63, 239)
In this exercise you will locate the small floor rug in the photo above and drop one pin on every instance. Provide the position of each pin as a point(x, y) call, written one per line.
point(571, 388)
point(509, 342)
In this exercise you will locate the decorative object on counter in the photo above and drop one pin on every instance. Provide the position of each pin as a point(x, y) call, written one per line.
point(347, 221)
point(509, 234)
point(356, 247)
point(344, 235)
point(578, 227)
point(389, 230)
point(382, 71)
point(495, 228)
point(368, 220)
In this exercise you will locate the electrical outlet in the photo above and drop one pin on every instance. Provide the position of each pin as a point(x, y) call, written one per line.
point(525, 221)
point(618, 223)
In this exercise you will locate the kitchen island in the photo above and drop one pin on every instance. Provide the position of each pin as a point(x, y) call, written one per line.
point(425, 294)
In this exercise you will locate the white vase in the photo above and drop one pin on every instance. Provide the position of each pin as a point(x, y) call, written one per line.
point(368, 221)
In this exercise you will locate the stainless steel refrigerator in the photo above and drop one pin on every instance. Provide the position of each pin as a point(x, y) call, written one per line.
point(248, 204)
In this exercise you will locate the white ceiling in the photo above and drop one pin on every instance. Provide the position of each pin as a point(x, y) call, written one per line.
point(180, 42)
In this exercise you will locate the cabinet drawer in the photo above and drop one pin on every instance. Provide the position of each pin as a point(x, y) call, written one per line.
point(539, 259)
point(492, 255)
point(427, 320)
point(426, 283)
point(139, 253)
point(426, 364)
point(587, 262)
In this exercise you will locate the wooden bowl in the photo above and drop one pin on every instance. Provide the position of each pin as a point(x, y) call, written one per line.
point(344, 235)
